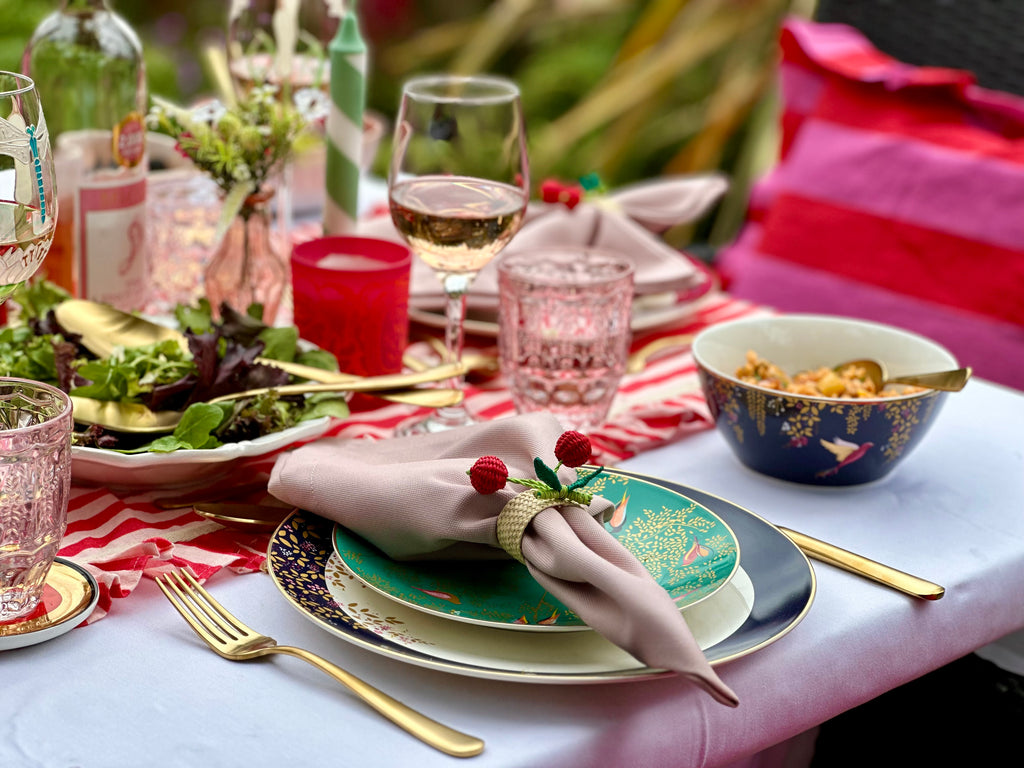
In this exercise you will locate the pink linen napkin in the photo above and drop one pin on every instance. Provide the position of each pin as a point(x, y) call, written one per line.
point(412, 498)
point(629, 220)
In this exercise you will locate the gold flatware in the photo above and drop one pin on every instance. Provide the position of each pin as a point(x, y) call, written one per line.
point(949, 381)
point(848, 561)
point(246, 517)
point(233, 640)
point(103, 328)
point(637, 361)
point(243, 515)
point(472, 362)
point(136, 418)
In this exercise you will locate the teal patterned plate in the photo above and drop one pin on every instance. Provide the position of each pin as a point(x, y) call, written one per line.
point(688, 549)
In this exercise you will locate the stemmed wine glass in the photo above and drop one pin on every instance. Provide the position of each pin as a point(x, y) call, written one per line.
point(458, 187)
point(28, 195)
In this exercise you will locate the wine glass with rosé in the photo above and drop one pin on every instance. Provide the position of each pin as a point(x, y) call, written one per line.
point(28, 194)
point(458, 187)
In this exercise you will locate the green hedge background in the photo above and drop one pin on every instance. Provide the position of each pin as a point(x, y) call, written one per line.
point(629, 89)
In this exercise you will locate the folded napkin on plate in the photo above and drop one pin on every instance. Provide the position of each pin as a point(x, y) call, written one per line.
point(625, 220)
point(412, 498)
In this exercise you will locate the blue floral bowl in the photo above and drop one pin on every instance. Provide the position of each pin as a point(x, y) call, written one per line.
point(811, 439)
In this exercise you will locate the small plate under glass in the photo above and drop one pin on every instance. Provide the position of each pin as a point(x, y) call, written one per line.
point(70, 595)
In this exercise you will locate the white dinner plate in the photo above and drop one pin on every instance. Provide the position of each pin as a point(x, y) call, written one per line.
point(187, 467)
point(711, 621)
point(183, 468)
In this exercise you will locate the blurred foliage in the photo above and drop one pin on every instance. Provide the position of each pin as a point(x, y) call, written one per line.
point(628, 89)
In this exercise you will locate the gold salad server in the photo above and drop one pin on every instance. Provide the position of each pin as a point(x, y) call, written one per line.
point(103, 327)
point(137, 418)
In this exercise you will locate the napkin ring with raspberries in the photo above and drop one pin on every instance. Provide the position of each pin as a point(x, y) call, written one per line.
point(489, 475)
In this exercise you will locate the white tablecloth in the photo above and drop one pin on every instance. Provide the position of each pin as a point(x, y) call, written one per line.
point(138, 688)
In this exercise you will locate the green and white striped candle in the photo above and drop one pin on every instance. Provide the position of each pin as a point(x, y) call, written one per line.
point(345, 125)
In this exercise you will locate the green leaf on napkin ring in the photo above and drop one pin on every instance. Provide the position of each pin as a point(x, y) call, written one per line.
point(518, 514)
point(547, 474)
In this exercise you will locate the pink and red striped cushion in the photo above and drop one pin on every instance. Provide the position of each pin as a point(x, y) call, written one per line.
point(894, 182)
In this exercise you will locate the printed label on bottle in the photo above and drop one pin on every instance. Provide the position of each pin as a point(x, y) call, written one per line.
point(111, 239)
point(130, 141)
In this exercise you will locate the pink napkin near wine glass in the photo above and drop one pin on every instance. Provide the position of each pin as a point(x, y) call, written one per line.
point(412, 498)
point(629, 220)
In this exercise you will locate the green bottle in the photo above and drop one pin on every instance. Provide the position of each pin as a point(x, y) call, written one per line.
point(87, 64)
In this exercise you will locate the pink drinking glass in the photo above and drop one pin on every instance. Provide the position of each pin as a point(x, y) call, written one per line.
point(35, 481)
point(564, 330)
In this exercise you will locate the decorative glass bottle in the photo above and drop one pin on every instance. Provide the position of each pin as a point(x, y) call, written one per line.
point(245, 269)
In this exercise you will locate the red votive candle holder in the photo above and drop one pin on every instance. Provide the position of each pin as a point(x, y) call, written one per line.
point(351, 297)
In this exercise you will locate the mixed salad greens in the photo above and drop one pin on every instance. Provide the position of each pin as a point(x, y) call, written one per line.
point(221, 359)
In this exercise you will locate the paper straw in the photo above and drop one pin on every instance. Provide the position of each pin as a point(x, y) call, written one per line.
point(345, 125)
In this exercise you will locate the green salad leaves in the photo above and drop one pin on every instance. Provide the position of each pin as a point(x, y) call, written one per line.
point(221, 359)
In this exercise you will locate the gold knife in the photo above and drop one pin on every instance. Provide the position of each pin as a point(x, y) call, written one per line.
point(848, 561)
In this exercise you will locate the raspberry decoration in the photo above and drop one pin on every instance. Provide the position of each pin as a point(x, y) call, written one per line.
point(488, 475)
point(572, 449)
point(554, 191)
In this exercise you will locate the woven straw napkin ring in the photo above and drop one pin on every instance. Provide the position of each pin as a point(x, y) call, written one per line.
point(489, 475)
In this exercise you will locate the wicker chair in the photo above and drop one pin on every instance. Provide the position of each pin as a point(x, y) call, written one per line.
point(983, 36)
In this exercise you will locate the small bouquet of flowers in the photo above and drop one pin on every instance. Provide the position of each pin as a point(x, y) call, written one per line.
point(239, 146)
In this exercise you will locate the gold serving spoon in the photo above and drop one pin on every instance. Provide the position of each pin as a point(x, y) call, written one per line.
point(948, 381)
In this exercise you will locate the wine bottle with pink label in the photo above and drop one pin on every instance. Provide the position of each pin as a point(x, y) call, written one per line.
point(88, 67)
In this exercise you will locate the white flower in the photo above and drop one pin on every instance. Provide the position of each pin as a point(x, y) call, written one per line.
point(241, 172)
point(208, 113)
point(154, 116)
point(264, 93)
point(312, 104)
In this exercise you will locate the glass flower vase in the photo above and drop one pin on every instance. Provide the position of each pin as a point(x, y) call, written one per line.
point(245, 269)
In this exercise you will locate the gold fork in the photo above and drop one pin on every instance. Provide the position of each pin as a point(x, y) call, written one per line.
point(231, 639)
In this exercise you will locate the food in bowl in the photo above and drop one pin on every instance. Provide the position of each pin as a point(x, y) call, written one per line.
point(848, 381)
point(812, 438)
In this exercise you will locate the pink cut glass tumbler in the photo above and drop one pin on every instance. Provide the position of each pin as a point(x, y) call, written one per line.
point(35, 481)
point(564, 330)
point(351, 297)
